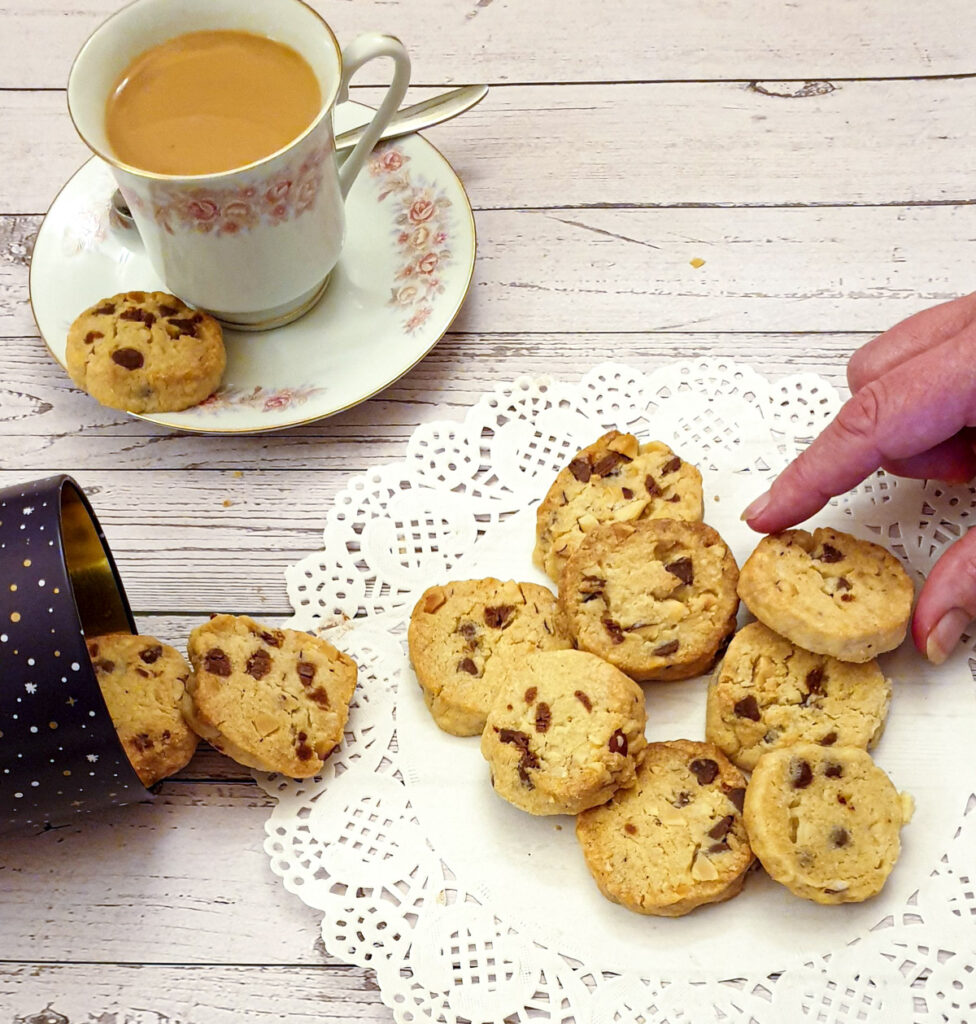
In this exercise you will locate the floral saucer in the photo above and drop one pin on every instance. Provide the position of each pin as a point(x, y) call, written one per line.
point(405, 269)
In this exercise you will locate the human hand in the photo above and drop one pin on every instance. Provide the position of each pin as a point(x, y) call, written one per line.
point(912, 411)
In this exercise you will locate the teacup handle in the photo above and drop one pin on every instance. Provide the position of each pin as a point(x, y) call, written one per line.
point(362, 49)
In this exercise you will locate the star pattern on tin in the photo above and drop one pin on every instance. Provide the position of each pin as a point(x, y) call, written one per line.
point(30, 687)
point(91, 757)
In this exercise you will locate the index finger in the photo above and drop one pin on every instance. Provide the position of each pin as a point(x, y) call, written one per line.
point(908, 410)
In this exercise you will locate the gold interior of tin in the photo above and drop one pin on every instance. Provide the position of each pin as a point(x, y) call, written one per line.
point(96, 592)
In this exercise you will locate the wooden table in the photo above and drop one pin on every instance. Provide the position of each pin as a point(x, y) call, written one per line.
point(819, 158)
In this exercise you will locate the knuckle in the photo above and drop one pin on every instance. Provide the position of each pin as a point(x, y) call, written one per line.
point(860, 416)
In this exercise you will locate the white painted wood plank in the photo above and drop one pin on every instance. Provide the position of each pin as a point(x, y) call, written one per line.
point(659, 144)
point(778, 270)
point(552, 40)
point(183, 879)
point(38, 993)
point(48, 422)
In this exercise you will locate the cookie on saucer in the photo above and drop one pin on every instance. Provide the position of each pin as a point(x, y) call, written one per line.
point(828, 592)
point(272, 699)
point(143, 683)
point(145, 352)
point(565, 732)
point(615, 479)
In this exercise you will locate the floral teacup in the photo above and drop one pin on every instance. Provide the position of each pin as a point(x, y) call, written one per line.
point(255, 245)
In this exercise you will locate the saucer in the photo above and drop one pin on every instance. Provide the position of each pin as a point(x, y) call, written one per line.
point(405, 270)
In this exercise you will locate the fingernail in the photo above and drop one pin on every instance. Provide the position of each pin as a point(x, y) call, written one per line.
point(945, 634)
point(756, 508)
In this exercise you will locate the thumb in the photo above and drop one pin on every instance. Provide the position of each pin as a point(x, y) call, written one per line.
point(947, 603)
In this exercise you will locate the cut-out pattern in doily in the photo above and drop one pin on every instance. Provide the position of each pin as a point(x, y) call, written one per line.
point(467, 910)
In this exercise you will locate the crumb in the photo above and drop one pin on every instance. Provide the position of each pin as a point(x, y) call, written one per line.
point(697, 262)
point(237, 473)
point(227, 503)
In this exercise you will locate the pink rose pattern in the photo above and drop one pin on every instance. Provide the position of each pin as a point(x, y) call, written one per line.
point(258, 398)
point(288, 193)
point(420, 232)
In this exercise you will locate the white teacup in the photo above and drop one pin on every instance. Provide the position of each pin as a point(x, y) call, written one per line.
point(254, 245)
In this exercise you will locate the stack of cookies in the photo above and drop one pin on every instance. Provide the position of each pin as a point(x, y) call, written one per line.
point(272, 699)
point(647, 593)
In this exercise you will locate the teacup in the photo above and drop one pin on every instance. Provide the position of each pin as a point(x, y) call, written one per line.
point(254, 245)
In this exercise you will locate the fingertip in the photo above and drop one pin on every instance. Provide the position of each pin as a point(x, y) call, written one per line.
point(943, 637)
point(755, 510)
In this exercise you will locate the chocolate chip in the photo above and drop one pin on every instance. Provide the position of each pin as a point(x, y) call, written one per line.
point(259, 664)
point(737, 795)
point(683, 569)
point(748, 707)
point(674, 499)
point(608, 463)
point(840, 836)
point(704, 769)
point(651, 486)
point(319, 696)
point(829, 739)
point(843, 583)
point(166, 735)
point(665, 649)
point(104, 665)
point(151, 654)
point(499, 616)
point(107, 310)
point(584, 700)
point(142, 672)
point(627, 493)
point(530, 694)
point(830, 554)
point(613, 628)
point(142, 741)
point(217, 662)
point(682, 799)
point(467, 665)
point(618, 743)
point(304, 751)
point(630, 828)
point(306, 672)
point(168, 310)
point(128, 358)
point(543, 717)
point(722, 826)
point(801, 774)
point(91, 336)
point(527, 760)
point(468, 630)
point(142, 316)
point(93, 649)
point(833, 770)
point(273, 639)
point(184, 326)
point(846, 597)
point(718, 847)
point(580, 468)
point(672, 465)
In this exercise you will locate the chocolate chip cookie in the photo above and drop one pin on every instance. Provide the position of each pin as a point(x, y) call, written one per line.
point(768, 693)
point(656, 598)
point(272, 699)
point(825, 822)
point(676, 839)
point(143, 682)
point(145, 352)
point(828, 592)
point(615, 479)
point(565, 732)
point(461, 634)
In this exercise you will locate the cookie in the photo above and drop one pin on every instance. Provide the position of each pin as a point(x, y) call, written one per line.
point(828, 592)
point(676, 839)
point(656, 598)
point(272, 699)
point(767, 693)
point(825, 822)
point(145, 352)
point(461, 632)
point(143, 682)
point(565, 732)
point(615, 479)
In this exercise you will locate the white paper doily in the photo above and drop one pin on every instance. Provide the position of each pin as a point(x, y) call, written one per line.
point(468, 910)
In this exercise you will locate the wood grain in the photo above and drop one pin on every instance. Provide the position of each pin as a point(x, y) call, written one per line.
point(650, 144)
point(549, 40)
